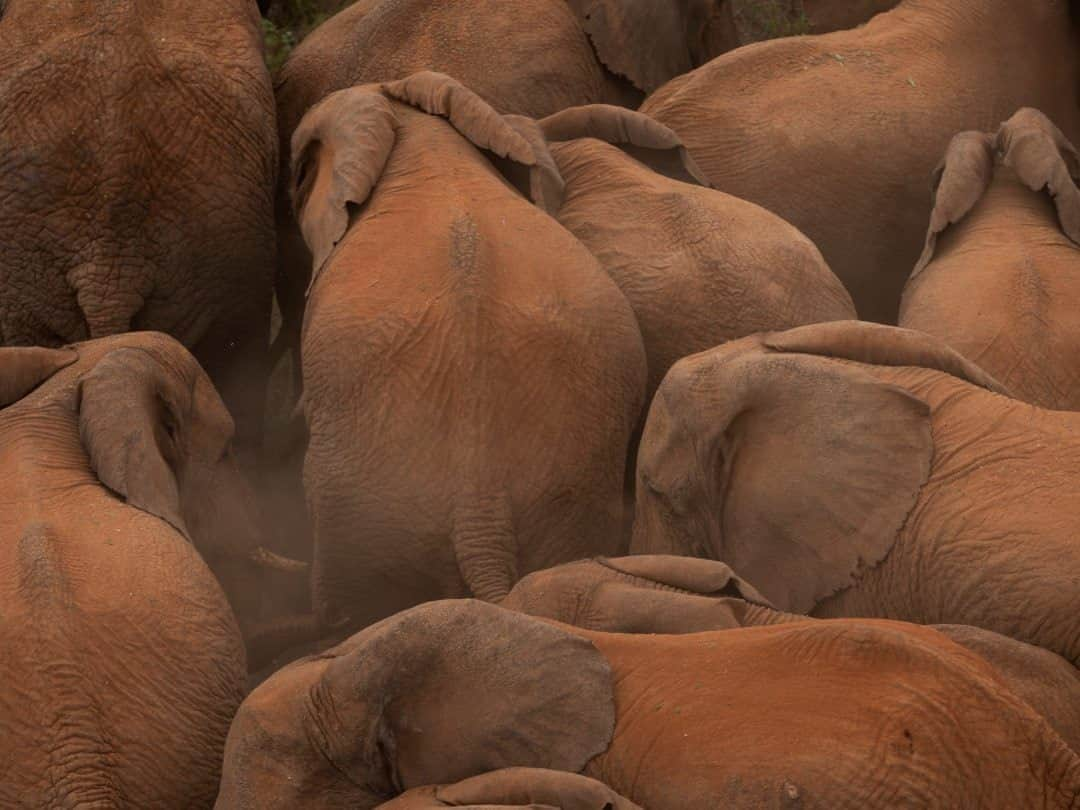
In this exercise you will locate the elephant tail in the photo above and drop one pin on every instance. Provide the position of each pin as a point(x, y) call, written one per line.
point(485, 544)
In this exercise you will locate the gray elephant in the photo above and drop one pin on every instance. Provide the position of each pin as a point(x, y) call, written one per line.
point(137, 166)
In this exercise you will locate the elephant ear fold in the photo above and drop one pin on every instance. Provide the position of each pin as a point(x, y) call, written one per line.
point(817, 465)
point(880, 345)
point(516, 146)
point(1043, 158)
point(24, 368)
point(646, 41)
point(129, 421)
point(958, 183)
point(643, 138)
point(704, 577)
point(339, 151)
point(467, 687)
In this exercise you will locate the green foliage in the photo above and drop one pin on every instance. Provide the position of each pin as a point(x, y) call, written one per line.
point(769, 19)
point(279, 44)
point(289, 21)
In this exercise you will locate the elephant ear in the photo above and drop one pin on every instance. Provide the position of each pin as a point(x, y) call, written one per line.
point(958, 183)
point(516, 788)
point(466, 687)
point(815, 464)
point(339, 151)
point(880, 345)
point(704, 577)
point(1043, 158)
point(646, 41)
point(643, 138)
point(519, 150)
point(128, 419)
point(24, 368)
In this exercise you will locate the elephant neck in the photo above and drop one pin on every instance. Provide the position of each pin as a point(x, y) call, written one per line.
point(41, 455)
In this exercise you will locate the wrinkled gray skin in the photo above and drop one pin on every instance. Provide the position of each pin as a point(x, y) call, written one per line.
point(137, 165)
point(672, 595)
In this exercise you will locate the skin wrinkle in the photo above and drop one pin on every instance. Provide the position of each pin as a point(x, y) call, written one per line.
point(950, 543)
point(795, 84)
point(132, 592)
point(118, 223)
point(485, 309)
point(991, 288)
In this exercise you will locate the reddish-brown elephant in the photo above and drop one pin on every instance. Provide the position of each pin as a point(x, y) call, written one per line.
point(838, 714)
point(471, 375)
point(122, 663)
point(674, 595)
point(999, 277)
point(698, 266)
point(853, 469)
point(137, 169)
point(525, 57)
point(839, 133)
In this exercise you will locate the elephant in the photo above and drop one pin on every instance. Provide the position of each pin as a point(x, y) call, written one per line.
point(855, 469)
point(838, 133)
point(135, 418)
point(699, 267)
point(471, 375)
point(123, 664)
point(672, 595)
point(844, 713)
point(569, 52)
point(138, 160)
point(1001, 265)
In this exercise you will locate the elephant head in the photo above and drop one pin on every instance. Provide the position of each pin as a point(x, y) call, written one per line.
point(1031, 146)
point(1042, 157)
point(442, 692)
point(343, 145)
point(797, 470)
point(651, 42)
point(157, 434)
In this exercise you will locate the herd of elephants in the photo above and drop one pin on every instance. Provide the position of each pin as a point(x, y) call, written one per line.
point(540, 404)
